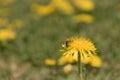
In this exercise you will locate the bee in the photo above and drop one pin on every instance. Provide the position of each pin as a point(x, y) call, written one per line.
point(67, 43)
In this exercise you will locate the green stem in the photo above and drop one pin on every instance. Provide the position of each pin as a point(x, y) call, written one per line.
point(79, 67)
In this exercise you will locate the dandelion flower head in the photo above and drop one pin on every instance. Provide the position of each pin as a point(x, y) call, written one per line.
point(95, 61)
point(42, 10)
point(66, 60)
point(50, 62)
point(78, 44)
point(64, 6)
point(7, 34)
point(85, 5)
point(83, 18)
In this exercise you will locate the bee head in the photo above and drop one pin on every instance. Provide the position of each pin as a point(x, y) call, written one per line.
point(67, 42)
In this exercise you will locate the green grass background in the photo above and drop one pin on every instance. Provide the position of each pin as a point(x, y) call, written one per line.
point(42, 38)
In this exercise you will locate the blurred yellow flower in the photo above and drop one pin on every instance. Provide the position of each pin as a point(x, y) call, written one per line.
point(96, 61)
point(15, 24)
point(6, 2)
point(7, 34)
point(3, 22)
point(86, 5)
point(43, 10)
point(83, 18)
point(82, 45)
point(70, 59)
point(50, 62)
point(67, 68)
point(4, 11)
point(64, 6)
point(63, 60)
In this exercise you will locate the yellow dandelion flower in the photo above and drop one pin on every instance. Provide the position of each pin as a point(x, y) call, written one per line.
point(63, 60)
point(50, 62)
point(82, 45)
point(83, 18)
point(96, 61)
point(64, 6)
point(42, 10)
point(7, 34)
point(86, 5)
point(70, 59)
point(67, 68)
